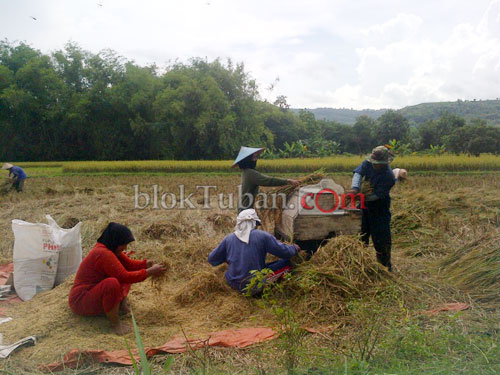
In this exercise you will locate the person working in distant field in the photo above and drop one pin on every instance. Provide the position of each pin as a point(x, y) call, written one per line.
point(17, 176)
point(103, 279)
point(376, 218)
point(251, 179)
point(400, 174)
point(245, 250)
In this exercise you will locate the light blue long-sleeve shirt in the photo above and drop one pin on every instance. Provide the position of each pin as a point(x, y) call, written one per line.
point(18, 173)
point(243, 258)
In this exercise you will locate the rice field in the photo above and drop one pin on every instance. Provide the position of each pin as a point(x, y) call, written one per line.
point(335, 164)
point(445, 229)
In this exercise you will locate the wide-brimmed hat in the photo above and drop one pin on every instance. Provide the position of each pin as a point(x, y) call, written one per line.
point(7, 166)
point(400, 174)
point(380, 155)
point(246, 152)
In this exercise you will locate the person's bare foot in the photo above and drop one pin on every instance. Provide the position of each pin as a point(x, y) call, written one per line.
point(121, 328)
point(125, 307)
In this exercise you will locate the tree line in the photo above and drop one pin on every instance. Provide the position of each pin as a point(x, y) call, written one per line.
point(72, 104)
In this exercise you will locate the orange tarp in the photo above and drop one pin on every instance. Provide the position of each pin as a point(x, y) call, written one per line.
point(236, 338)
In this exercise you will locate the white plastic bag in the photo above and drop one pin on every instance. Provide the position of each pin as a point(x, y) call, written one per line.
point(70, 252)
point(38, 249)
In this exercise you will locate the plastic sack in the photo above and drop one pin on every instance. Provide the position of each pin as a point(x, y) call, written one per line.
point(44, 255)
point(70, 252)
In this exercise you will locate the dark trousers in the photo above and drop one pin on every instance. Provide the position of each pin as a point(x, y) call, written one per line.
point(376, 222)
point(18, 185)
point(278, 264)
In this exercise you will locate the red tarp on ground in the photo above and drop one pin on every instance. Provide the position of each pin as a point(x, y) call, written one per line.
point(236, 338)
point(5, 271)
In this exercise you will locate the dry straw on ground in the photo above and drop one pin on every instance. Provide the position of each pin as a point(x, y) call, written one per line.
point(341, 269)
point(475, 268)
point(195, 296)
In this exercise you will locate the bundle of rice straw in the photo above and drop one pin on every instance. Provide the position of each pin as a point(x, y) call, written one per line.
point(158, 281)
point(344, 267)
point(340, 270)
point(271, 215)
point(475, 269)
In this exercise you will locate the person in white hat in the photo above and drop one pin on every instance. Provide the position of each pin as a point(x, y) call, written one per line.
point(17, 175)
point(400, 174)
point(252, 179)
point(245, 250)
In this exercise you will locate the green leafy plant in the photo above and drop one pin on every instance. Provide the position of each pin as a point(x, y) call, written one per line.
point(437, 150)
point(399, 148)
point(290, 331)
point(146, 367)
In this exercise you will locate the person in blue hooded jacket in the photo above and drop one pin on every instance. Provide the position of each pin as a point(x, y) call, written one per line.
point(376, 218)
point(17, 175)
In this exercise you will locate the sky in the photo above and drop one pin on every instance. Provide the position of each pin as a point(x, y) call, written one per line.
point(318, 53)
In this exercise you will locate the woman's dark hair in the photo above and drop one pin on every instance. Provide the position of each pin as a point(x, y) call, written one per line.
point(115, 235)
point(248, 163)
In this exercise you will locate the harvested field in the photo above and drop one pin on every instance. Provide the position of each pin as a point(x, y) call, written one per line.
point(435, 221)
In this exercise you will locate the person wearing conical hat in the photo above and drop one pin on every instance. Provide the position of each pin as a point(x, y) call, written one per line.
point(17, 176)
point(252, 179)
point(376, 218)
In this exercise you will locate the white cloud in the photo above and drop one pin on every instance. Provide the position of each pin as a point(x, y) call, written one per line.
point(334, 53)
point(402, 26)
point(410, 70)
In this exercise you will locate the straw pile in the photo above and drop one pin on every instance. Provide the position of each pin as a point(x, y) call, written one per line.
point(475, 269)
point(202, 287)
point(165, 230)
point(419, 224)
point(340, 270)
point(222, 222)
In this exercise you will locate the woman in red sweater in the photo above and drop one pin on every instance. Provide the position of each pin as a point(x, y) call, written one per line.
point(104, 277)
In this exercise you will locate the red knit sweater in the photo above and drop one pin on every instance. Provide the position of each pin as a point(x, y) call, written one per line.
point(102, 263)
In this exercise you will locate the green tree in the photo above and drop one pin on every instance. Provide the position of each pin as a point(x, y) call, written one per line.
point(362, 131)
point(433, 132)
point(391, 125)
point(474, 139)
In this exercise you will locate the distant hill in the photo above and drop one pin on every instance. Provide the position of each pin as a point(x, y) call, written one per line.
point(342, 115)
point(488, 110)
